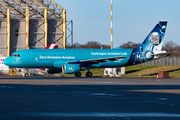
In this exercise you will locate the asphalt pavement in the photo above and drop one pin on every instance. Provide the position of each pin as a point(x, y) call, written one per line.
point(89, 98)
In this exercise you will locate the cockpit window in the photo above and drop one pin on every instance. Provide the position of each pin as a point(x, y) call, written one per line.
point(15, 55)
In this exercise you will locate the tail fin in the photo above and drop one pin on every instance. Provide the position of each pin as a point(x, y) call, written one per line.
point(150, 46)
point(52, 46)
point(154, 40)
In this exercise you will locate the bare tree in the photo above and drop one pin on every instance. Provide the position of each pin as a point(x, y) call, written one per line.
point(170, 45)
point(130, 45)
point(91, 44)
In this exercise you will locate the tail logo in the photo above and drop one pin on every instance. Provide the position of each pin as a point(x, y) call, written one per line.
point(163, 29)
point(154, 38)
point(151, 45)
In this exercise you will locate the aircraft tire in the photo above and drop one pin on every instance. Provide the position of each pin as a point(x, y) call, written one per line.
point(26, 75)
point(89, 74)
point(78, 74)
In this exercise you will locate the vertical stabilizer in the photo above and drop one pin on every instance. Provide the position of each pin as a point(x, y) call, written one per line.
point(150, 46)
point(154, 40)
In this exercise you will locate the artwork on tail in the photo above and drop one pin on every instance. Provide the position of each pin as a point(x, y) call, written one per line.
point(150, 46)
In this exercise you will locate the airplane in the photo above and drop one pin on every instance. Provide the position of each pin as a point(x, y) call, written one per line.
point(4, 70)
point(72, 61)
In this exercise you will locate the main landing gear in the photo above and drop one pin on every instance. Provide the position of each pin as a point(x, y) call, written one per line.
point(78, 74)
point(88, 74)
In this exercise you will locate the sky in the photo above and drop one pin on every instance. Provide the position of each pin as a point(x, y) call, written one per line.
point(132, 19)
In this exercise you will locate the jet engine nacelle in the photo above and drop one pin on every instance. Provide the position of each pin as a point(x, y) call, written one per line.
point(54, 70)
point(70, 68)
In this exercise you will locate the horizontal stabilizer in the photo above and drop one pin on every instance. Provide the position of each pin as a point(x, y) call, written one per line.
point(163, 54)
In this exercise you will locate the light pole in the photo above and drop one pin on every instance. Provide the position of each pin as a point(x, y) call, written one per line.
point(111, 27)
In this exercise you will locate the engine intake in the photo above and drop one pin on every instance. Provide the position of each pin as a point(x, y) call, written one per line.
point(70, 68)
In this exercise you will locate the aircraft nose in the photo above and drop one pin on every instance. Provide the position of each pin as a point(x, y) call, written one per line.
point(7, 62)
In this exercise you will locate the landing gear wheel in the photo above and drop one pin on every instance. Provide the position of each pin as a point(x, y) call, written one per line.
point(26, 75)
point(89, 74)
point(78, 74)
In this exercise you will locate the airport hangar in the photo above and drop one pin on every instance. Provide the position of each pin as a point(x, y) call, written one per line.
point(33, 24)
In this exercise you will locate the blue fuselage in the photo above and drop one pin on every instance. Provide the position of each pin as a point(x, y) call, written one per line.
point(49, 58)
point(74, 60)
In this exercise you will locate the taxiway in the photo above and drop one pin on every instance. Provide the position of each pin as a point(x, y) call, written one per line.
point(89, 98)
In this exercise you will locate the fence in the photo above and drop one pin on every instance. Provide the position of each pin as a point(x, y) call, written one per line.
point(167, 61)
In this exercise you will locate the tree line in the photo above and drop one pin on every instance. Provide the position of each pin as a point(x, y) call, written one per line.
point(168, 46)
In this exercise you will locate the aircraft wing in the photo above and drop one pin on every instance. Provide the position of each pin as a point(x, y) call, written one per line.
point(96, 61)
point(163, 54)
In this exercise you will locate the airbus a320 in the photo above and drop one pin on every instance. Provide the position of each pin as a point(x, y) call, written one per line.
point(72, 61)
